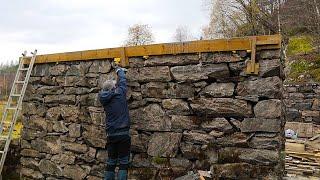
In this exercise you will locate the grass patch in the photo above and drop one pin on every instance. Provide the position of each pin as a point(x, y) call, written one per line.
point(17, 129)
point(300, 45)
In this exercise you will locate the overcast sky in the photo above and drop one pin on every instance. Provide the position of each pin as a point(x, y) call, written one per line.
point(70, 25)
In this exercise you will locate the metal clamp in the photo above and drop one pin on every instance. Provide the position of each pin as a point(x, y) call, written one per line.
point(252, 66)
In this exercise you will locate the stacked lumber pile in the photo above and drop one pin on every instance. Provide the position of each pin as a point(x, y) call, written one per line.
point(303, 153)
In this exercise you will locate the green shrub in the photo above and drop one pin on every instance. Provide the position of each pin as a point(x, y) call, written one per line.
point(299, 45)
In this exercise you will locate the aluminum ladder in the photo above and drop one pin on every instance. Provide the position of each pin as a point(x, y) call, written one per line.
point(14, 103)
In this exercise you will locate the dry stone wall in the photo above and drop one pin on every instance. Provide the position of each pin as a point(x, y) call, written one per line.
point(188, 112)
point(302, 103)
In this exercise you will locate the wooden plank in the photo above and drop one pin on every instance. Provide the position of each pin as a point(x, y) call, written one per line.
point(218, 45)
point(295, 147)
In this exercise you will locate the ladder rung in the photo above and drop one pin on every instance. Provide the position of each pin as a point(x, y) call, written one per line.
point(24, 69)
point(3, 137)
point(12, 108)
point(16, 95)
point(19, 82)
point(1, 152)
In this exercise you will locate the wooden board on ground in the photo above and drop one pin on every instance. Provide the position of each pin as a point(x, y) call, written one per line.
point(304, 130)
point(295, 147)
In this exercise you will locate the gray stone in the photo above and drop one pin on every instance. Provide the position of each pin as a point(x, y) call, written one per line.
point(77, 91)
point(55, 90)
point(167, 90)
point(58, 70)
point(180, 162)
point(40, 70)
point(260, 125)
point(59, 126)
point(267, 87)
point(64, 159)
point(270, 68)
point(49, 145)
point(218, 90)
point(95, 136)
point(102, 155)
point(268, 109)
point(30, 173)
point(141, 160)
point(269, 54)
point(75, 147)
point(176, 106)
point(74, 130)
point(233, 140)
point(100, 66)
point(292, 114)
point(30, 153)
point(148, 74)
point(225, 107)
point(169, 60)
point(151, 118)
point(220, 57)
point(35, 123)
point(50, 168)
point(265, 143)
point(74, 172)
point(218, 124)
point(61, 99)
point(199, 72)
point(184, 122)
point(191, 151)
point(29, 163)
point(197, 137)
point(164, 144)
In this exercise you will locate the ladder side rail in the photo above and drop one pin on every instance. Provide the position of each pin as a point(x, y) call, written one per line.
point(5, 114)
point(15, 116)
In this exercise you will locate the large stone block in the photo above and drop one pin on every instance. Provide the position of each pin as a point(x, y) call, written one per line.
point(164, 144)
point(44, 90)
point(220, 57)
point(58, 70)
point(169, 60)
point(50, 168)
point(218, 90)
point(167, 90)
point(271, 67)
point(100, 66)
point(74, 172)
point(191, 151)
point(266, 88)
point(197, 137)
point(50, 145)
point(30, 173)
point(184, 122)
point(260, 125)
point(268, 109)
point(199, 72)
point(218, 124)
point(151, 118)
point(176, 106)
point(223, 107)
point(61, 99)
point(252, 156)
point(148, 74)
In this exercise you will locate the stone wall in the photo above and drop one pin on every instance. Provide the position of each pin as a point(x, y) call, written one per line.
point(188, 112)
point(302, 102)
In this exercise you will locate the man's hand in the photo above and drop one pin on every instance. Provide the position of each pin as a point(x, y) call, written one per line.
point(123, 69)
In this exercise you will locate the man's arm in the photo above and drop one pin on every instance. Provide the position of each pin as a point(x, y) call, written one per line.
point(122, 82)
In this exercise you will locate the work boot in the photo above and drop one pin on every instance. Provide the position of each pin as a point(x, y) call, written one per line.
point(122, 175)
point(109, 175)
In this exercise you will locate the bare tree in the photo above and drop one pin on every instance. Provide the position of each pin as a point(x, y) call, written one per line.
point(139, 34)
point(182, 34)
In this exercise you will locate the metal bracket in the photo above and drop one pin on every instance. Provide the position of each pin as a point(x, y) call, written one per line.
point(252, 66)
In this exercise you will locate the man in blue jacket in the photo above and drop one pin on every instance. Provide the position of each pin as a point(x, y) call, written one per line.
point(113, 99)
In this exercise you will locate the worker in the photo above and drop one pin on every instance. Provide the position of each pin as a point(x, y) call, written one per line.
point(113, 98)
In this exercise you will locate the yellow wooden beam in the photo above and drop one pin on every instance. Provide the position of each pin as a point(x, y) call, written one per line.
point(219, 45)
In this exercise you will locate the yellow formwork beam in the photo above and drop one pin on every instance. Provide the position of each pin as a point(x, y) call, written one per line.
point(218, 45)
